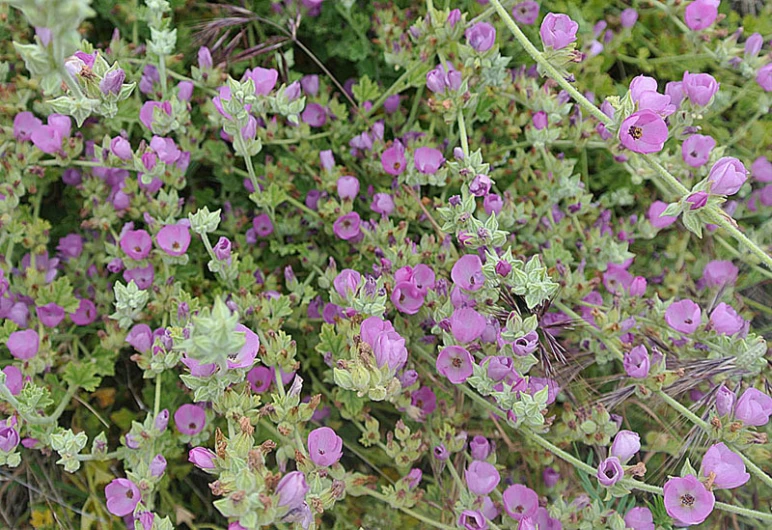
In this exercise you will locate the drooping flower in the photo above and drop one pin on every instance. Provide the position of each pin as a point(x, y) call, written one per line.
point(683, 316)
point(455, 363)
point(687, 500)
point(520, 501)
point(190, 419)
point(325, 447)
point(173, 239)
point(753, 408)
point(481, 477)
point(643, 132)
point(728, 468)
point(610, 471)
point(122, 496)
point(558, 31)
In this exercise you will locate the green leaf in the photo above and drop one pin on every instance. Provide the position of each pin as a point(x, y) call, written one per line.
point(60, 293)
point(366, 90)
point(82, 375)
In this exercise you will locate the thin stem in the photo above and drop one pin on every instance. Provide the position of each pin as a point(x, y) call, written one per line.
point(431, 522)
point(394, 88)
point(98, 457)
point(714, 213)
point(462, 133)
point(157, 402)
point(279, 382)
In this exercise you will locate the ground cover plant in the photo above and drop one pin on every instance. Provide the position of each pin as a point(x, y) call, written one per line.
point(392, 264)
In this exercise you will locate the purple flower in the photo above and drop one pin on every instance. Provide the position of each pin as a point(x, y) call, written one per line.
point(383, 203)
point(753, 45)
point(314, 115)
point(173, 239)
point(9, 437)
point(24, 124)
point(628, 17)
point(324, 446)
point(625, 445)
point(520, 501)
point(481, 36)
point(675, 89)
point(636, 362)
point(725, 320)
point(700, 14)
point(610, 471)
point(157, 466)
point(346, 227)
point(699, 88)
point(424, 399)
point(262, 225)
point(407, 298)
point(479, 447)
point(472, 520)
point(764, 77)
point(190, 419)
point(310, 84)
point(292, 489)
point(526, 12)
point(727, 176)
point(142, 276)
point(481, 477)
point(550, 477)
point(24, 344)
point(264, 79)
point(641, 84)
point(718, 273)
point(122, 496)
point(558, 31)
point(389, 349)
point(222, 250)
point(643, 132)
point(753, 408)
point(762, 169)
point(526, 344)
point(260, 379)
point(683, 316)
point(440, 452)
point(466, 325)
point(112, 82)
point(728, 468)
point(438, 79)
point(148, 109)
point(136, 244)
point(696, 150)
point(245, 358)
point(493, 203)
point(639, 518)
point(453, 17)
point(467, 273)
point(121, 148)
point(140, 337)
point(393, 159)
point(347, 282)
point(348, 187)
point(480, 185)
point(47, 139)
point(725, 400)
point(540, 120)
point(371, 327)
point(455, 363)
point(637, 286)
point(687, 500)
point(202, 457)
point(14, 381)
point(427, 160)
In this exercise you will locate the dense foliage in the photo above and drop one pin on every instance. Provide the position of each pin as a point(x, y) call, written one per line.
point(385, 264)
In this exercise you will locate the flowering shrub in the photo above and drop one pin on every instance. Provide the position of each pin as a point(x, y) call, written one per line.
point(510, 274)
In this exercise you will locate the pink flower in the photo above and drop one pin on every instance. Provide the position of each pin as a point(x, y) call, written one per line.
point(762, 169)
point(202, 457)
point(699, 88)
point(641, 84)
point(725, 320)
point(383, 203)
point(24, 344)
point(24, 124)
point(348, 187)
point(727, 176)
point(628, 17)
point(50, 315)
point(122, 497)
point(479, 447)
point(481, 477)
point(136, 244)
point(222, 250)
point(643, 132)
point(696, 150)
point(520, 501)
point(675, 89)
point(260, 379)
point(639, 518)
point(727, 466)
point(687, 500)
point(466, 325)
point(467, 273)
point(610, 472)
point(346, 283)
point(425, 400)
point(407, 298)
point(47, 139)
point(190, 419)
point(455, 363)
point(166, 149)
point(725, 400)
point(121, 148)
point(262, 225)
point(764, 77)
point(718, 273)
point(346, 227)
point(371, 327)
point(264, 79)
point(540, 120)
point(324, 446)
point(140, 337)
point(481, 36)
point(526, 12)
point(112, 82)
point(480, 185)
point(247, 354)
point(753, 408)
point(173, 239)
point(636, 362)
point(472, 520)
point(389, 349)
point(427, 160)
point(683, 316)
point(701, 14)
point(393, 159)
point(148, 109)
point(13, 379)
point(526, 344)
point(558, 31)
point(292, 489)
point(625, 445)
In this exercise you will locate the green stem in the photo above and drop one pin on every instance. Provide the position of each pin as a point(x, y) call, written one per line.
point(394, 88)
point(279, 382)
point(98, 457)
point(462, 133)
point(714, 213)
point(157, 402)
point(598, 333)
point(431, 522)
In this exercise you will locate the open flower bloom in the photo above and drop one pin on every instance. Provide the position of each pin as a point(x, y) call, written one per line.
point(558, 31)
point(727, 467)
point(455, 363)
point(467, 273)
point(643, 132)
point(610, 471)
point(481, 477)
point(325, 447)
point(520, 501)
point(122, 496)
point(190, 419)
point(640, 518)
point(687, 500)
point(683, 316)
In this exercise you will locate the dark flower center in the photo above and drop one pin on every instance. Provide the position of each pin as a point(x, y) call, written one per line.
point(456, 362)
point(687, 500)
point(397, 165)
point(192, 426)
point(519, 509)
point(176, 245)
point(610, 473)
point(688, 321)
point(129, 494)
point(137, 249)
point(635, 132)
